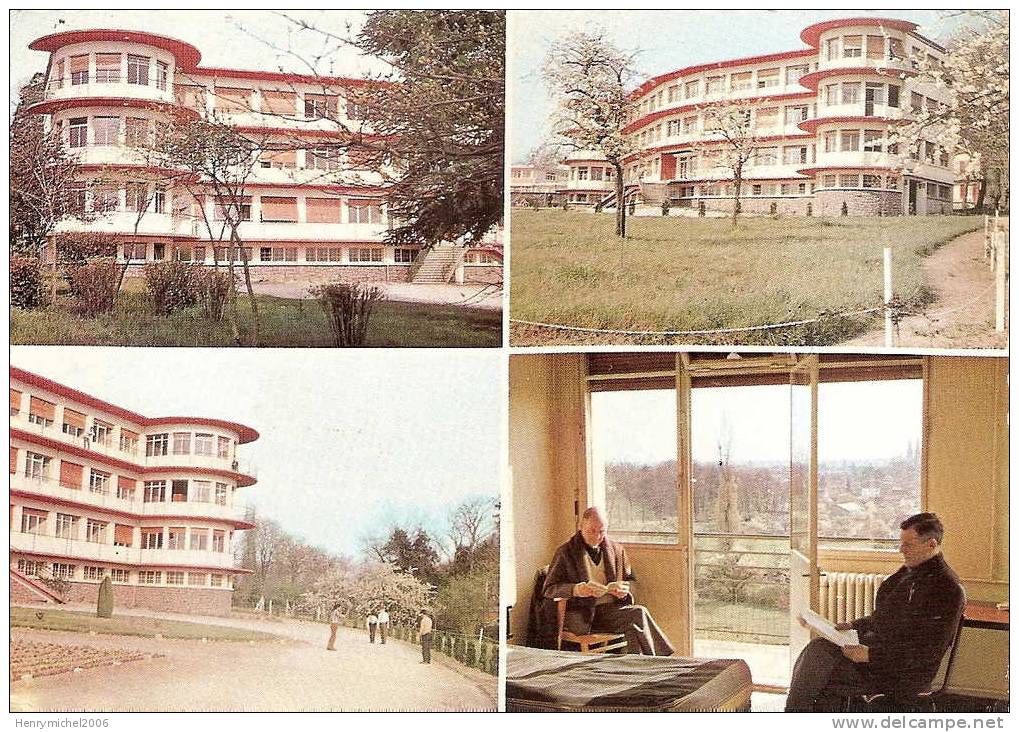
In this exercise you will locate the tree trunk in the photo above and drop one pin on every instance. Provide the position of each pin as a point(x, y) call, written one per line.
point(983, 192)
point(737, 185)
point(620, 203)
point(247, 283)
point(232, 310)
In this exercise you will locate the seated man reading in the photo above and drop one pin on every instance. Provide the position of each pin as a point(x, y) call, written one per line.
point(594, 573)
point(902, 643)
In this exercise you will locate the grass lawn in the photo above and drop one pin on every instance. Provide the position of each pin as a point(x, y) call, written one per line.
point(698, 274)
point(282, 322)
point(23, 617)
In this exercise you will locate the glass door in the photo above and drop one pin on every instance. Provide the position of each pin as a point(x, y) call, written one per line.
point(804, 577)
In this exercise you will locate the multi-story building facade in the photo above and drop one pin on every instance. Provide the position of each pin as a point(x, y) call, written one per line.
point(98, 490)
point(310, 208)
point(537, 184)
point(821, 121)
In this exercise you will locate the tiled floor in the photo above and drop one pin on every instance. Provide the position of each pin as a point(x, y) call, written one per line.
point(769, 664)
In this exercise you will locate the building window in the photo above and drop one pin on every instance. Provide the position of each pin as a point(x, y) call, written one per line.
point(152, 538)
point(849, 180)
point(41, 412)
point(15, 402)
point(125, 488)
point(106, 130)
point(199, 540)
point(159, 199)
point(223, 447)
point(74, 423)
point(119, 576)
point(36, 465)
point(320, 106)
point(277, 254)
point(828, 181)
point(102, 432)
point(850, 141)
point(216, 580)
point(162, 75)
point(201, 491)
point(155, 491)
point(831, 94)
point(204, 444)
point(851, 92)
point(123, 535)
point(852, 46)
point(795, 154)
point(108, 68)
point(66, 526)
point(875, 47)
point(364, 254)
point(33, 521)
point(181, 443)
point(793, 74)
point(766, 156)
point(156, 445)
point(178, 491)
point(218, 540)
point(79, 70)
point(28, 567)
point(138, 70)
point(915, 102)
point(871, 181)
point(93, 573)
point(279, 209)
point(873, 140)
point(323, 254)
point(767, 78)
point(221, 491)
point(99, 482)
point(95, 531)
point(129, 439)
point(175, 537)
point(831, 49)
point(741, 81)
point(149, 577)
point(691, 89)
point(59, 570)
point(795, 115)
point(322, 159)
point(714, 86)
point(404, 256)
point(875, 92)
point(357, 111)
point(198, 579)
point(174, 578)
point(893, 96)
point(238, 209)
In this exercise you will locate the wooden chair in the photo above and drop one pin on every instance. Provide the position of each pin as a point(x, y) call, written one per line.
point(590, 643)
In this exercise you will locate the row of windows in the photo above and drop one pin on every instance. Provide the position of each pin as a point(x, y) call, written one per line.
point(870, 93)
point(860, 180)
point(874, 47)
point(109, 68)
point(38, 466)
point(243, 100)
point(764, 118)
point(595, 172)
point(43, 413)
point(69, 526)
point(715, 86)
point(188, 443)
point(140, 252)
point(95, 573)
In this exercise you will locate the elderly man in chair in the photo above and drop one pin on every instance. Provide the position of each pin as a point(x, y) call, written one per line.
point(594, 575)
point(916, 615)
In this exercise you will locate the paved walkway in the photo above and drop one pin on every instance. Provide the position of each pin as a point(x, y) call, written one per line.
point(295, 673)
point(486, 297)
point(962, 316)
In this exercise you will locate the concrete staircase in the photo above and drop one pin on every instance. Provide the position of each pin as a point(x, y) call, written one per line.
point(436, 266)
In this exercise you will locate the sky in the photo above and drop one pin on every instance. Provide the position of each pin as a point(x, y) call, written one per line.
point(865, 420)
point(240, 39)
point(665, 40)
point(352, 442)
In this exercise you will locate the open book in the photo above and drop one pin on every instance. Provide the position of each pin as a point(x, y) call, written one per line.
point(826, 629)
point(601, 590)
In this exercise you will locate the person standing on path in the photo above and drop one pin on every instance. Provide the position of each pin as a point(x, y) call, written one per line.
point(334, 623)
point(383, 624)
point(425, 635)
point(371, 624)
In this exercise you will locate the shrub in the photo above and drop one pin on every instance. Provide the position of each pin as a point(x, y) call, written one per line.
point(104, 607)
point(216, 286)
point(701, 209)
point(633, 208)
point(172, 286)
point(774, 208)
point(348, 309)
point(810, 209)
point(26, 283)
point(845, 208)
point(666, 205)
point(93, 287)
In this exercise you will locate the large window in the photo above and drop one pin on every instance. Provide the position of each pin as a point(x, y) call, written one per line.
point(138, 70)
point(156, 444)
point(633, 463)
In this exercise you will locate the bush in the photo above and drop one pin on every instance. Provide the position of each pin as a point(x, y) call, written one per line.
point(666, 205)
point(702, 209)
point(26, 283)
point(94, 287)
point(104, 607)
point(172, 286)
point(774, 208)
point(845, 208)
point(633, 208)
point(216, 286)
point(348, 309)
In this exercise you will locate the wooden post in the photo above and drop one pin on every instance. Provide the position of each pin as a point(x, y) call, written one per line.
point(987, 237)
point(1000, 248)
point(889, 329)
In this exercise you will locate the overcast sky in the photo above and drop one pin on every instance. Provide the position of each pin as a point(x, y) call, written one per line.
point(352, 441)
point(666, 40)
point(865, 421)
point(232, 39)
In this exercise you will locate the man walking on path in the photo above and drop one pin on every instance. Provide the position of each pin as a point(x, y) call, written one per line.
point(425, 634)
point(334, 623)
point(383, 624)
point(370, 623)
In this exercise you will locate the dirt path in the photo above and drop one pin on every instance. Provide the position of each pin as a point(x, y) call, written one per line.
point(962, 316)
point(295, 673)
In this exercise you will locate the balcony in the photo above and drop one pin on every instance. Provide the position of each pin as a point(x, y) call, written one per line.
point(92, 89)
point(123, 222)
point(51, 488)
point(893, 65)
point(590, 185)
point(282, 232)
point(110, 448)
point(87, 551)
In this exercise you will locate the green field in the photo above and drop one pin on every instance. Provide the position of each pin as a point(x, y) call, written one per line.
point(282, 322)
point(49, 619)
point(698, 274)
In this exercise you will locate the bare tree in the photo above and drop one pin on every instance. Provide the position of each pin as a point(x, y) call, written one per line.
point(733, 140)
point(590, 79)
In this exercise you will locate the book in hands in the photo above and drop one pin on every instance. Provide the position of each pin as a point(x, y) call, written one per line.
point(841, 638)
point(600, 590)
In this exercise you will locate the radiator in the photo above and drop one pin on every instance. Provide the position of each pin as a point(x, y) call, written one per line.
point(846, 596)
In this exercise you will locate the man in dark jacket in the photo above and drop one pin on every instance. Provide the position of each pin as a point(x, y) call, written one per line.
point(594, 575)
point(916, 614)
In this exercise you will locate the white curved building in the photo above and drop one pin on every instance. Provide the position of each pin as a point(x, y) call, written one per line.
point(309, 212)
point(820, 119)
point(97, 490)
